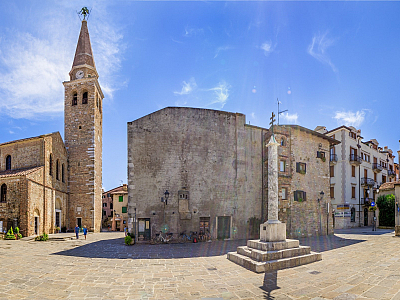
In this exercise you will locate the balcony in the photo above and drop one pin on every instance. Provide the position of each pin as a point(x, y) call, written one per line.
point(366, 201)
point(367, 181)
point(333, 159)
point(355, 160)
point(391, 173)
point(377, 168)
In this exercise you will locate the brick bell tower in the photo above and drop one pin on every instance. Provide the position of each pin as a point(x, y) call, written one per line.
point(83, 137)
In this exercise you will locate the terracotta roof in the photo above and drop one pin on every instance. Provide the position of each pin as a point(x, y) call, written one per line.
point(123, 189)
point(18, 172)
point(27, 139)
point(83, 53)
point(389, 185)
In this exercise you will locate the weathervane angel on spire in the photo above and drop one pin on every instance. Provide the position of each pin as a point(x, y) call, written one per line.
point(84, 12)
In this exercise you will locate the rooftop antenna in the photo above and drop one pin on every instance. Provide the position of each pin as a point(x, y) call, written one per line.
point(85, 12)
point(279, 112)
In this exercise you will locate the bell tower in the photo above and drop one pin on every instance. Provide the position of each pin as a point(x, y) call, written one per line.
point(83, 137)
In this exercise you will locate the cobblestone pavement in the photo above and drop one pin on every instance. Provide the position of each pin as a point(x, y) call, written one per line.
point(356, 264)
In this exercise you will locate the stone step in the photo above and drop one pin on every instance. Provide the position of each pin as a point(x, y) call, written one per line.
point(272, 246)
point(261, 256)
point(272, 265)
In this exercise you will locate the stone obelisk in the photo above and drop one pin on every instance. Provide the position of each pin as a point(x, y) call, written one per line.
point(273, 230)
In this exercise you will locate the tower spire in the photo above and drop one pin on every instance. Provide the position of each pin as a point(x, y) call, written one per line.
point(83, 53)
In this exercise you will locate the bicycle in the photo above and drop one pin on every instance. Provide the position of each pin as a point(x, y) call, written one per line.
point(160, 238)
point(183, 237)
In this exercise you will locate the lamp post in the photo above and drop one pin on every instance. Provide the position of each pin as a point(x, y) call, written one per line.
point(359, 183)
point(165, 200)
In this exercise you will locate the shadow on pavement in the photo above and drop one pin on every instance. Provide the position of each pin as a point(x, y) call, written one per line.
point(115, 248)
point(270, 284)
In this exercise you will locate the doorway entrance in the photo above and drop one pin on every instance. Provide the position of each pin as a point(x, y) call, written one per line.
point(58, 218)
point(365, 216)
point(144, 232)
point(79, 222)
point(224, 228)
point(36, 225)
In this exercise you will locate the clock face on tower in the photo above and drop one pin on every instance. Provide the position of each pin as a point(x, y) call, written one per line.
point(79, 74)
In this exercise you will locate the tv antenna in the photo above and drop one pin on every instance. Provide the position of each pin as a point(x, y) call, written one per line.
point(280, 112)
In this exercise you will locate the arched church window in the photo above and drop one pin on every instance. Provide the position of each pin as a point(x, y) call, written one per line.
point(62, 173)
point(85, 98)
point(57, 169)
point(75, 99)
point(51, 165)
point(3, 197)
point(282, 142)
point(8, 162)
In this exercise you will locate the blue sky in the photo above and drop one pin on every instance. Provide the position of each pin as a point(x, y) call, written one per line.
point(329, 63)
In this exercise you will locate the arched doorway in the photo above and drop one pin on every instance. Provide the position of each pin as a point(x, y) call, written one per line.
point(58, 213)
point(365, 216)
point(36, 222)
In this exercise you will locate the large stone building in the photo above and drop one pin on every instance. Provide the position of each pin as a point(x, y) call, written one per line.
point(46, 183)
point(213, 166)
point(357, 169)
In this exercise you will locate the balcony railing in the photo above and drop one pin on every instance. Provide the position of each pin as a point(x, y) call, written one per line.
point(391, 173)
point(377, 167)
point(355, 159)
point(333, 158)
point(367, 181)
point(366, 201)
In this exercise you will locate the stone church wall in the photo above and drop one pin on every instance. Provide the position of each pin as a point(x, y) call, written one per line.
point(211, 156)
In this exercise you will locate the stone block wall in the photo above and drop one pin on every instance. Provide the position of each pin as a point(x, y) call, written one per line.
point(212, 155)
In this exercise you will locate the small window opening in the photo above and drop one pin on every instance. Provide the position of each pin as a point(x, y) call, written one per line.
point(8, 162)
point(75, 99)
point(85, 98)
point(3, 197)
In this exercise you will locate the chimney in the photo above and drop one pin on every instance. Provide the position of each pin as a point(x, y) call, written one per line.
point(385, 148)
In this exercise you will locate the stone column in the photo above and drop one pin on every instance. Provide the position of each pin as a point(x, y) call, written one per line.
point(273, 230)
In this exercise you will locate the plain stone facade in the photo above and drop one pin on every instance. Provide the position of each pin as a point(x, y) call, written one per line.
point(211, 163)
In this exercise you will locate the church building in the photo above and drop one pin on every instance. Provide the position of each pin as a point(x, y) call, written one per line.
point(46, 182)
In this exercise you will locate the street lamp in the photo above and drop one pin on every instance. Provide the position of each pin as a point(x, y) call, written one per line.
point(165, 200)
point(320, 218)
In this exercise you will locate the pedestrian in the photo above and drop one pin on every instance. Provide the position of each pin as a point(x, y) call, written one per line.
point(109, 227)
point(126, 231)
point(77, 231)
point(374, 224)
point(84, 231)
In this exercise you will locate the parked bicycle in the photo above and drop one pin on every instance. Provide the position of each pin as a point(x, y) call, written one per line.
point(184, 238)
point(162, 238)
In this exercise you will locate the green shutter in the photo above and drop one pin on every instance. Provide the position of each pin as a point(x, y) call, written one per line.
point(121, 198)
point(124, 209)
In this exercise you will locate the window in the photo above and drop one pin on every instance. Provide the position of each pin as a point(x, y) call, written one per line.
point(353, 171)
point(365, 173)
point(51, 165)
point(104, 204)
point(75, 99)
point(111, 206)
point(320, 154)
point(108, 195)
point(284, 193)
point(57, 169)
point(375, 177)
point(282, 142)
point(301, 168)
point(353, 192)
point(111, 213)
point(352, 135)
point(333, 136)
point(85, 98)
point(104, 212)
point(383, 178)
point(62, 173)
point(124, 209)
point(332, 171)
point(121, 199)
point(282, 166)
point(299, 196)
point(332, 192)
point(8, 162)
point(3, 197)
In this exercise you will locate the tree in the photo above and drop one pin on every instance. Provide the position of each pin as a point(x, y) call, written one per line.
point(386, 205)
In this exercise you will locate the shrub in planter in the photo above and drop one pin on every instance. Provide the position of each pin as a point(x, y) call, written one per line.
point(10, 235)
point(128, 240)
point(43, 237)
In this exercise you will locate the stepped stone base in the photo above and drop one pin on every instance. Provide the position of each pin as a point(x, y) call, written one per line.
point(261, 257)
point(397, 230)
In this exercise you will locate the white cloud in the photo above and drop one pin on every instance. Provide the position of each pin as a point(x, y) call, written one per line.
point(350, 118)
point(190, 31)
point(35, 62)
point(266, 47)
point(317, 49)
point(187, 87)
point(290, 118)
point(221, 92)
point(219, 49)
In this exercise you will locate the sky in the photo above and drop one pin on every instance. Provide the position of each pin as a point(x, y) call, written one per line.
point(328, 63)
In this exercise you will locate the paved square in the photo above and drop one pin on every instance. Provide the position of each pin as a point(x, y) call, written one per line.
point(357, 264)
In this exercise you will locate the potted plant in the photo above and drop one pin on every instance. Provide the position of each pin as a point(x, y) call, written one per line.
point(57, 229)
point(323, 159)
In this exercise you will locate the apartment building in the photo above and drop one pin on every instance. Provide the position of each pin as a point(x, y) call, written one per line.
point(357, 169)
point(115, 208)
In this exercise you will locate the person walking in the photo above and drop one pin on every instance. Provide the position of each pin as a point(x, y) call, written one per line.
point(84, 231)
point(374, 224)
point(77, 231)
